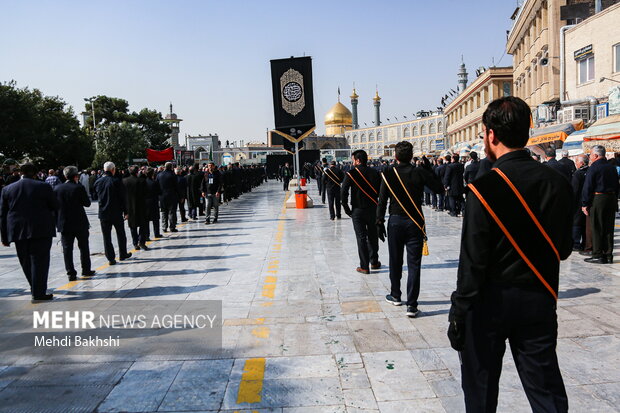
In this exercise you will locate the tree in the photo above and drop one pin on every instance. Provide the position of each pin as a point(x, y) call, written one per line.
point(156, 131)
point(41, 128)
point(120, 143)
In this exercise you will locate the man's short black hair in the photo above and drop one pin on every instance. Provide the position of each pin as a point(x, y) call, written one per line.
point(361, 155)
point(403, 151)
point(448, 158)
point(509, 118)
point(550, 152)
point(455, 157)
point(28, 170)
point(473, 155)
point(324, 160)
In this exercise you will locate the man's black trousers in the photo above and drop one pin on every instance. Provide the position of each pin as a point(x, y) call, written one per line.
point(333, 202)
point(169, 215)
point(603, 216)
point(286, 181)
point(139, 234)
point(34, 258)
point(66, 240)
point(106, 230)
point(403, 233)
point(365, 226)
point(527, 318)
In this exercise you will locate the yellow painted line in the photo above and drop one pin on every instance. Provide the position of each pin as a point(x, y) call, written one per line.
point(271, 279)
point(267, 304)
point(261, 332)
point(251, 385)
point(244, 321)
point(269, 290)
point(68, 285)
point(272, 271)
point(103, 267)
point(273, 267)
point(274, 261)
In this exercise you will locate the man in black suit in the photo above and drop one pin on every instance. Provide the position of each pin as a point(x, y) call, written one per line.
point(26, 218)
point(169, 197)
point(472, 169)
point(194, 182)
point(72, 223)
point(211, 190)
point(152, 203)
point(440, 171)
point(554, 164)
point(453, 182)
point(332, 180)
point(137, 218)
point(112, 210)
point(582, 234)
point(566, 161)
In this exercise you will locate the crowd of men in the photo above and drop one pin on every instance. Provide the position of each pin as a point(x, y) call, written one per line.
point(34, 205)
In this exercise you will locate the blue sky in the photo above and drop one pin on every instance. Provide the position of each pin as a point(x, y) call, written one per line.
point(211, 58)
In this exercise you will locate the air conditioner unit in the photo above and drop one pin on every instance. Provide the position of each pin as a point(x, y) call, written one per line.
point(602, 110)
point(544, 114)
point(560, 116)
point(573, 113)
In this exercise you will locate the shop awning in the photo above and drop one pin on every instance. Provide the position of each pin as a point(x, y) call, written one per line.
point(573, 144)
point(553, 133)
point(606, 128)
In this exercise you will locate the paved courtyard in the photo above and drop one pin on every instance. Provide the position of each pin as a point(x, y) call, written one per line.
point(303, 332)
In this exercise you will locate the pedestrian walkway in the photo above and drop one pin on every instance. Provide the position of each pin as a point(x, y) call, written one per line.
point(303, 332)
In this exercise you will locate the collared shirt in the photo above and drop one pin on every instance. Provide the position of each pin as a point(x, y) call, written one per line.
point(52, 180)
point(602, 178)
point(487, 256)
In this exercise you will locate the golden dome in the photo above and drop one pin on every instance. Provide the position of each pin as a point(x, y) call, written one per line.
point(339, 115)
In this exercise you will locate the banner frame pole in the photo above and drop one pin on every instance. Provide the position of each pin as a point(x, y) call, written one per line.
point(297, 165)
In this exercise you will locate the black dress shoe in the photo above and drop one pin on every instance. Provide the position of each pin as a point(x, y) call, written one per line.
point(174, 230)
point(112, 262)
point(41, 298)
point(144, 247)
point(596, 260)
point(136, 247)
point(125, 256)
point(88, 273)
point(376, 266)
point(73, 277)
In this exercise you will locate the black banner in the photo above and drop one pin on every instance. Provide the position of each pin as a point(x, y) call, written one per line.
point(293, 101)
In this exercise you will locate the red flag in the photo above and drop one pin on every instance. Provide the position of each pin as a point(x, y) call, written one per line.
point(160, 156)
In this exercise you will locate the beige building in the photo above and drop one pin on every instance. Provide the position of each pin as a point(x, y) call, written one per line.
point(426, 134)
point(464, 113)
point(592, 52)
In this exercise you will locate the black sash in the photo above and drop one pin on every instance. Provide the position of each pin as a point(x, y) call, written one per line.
point(512, 214)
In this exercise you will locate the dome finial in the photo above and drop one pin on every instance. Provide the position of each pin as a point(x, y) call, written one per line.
point(376, 98)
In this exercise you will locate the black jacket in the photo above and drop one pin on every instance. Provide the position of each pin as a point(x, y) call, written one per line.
point(111, 195)
point(577, 181)
point(569, 164)
point(136, 201)
point(169, 188)
point(414, 180)
point(72, 198)
point(359, 199)
point(27, 211)
point(453, 179)
point(487, 256)
point(332, 175)
point(602, 177)
point(194, 183)
point(152, 199)
point(471, 171)
point(212, 183)
point(561, 168)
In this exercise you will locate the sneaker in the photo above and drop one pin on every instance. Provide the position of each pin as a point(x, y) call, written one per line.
point(412, 311)
point(125, 257)
point(361, 270)
point(392, 300)
point(41, 298)
point(376, 266)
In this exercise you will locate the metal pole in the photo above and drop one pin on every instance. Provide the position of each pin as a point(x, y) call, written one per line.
point(92, 107)
point(297, 166)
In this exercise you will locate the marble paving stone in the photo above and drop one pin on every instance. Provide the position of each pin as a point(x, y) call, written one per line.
point(374, 335)
point(415, 405)
point(359, 398)
point(54, 399)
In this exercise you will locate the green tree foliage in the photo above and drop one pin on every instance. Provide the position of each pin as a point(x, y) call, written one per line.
point(41, 128)
point(120, 143)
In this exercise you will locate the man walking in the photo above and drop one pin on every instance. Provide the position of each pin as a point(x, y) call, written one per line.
point(332, 180)
point(26, 218)
point(516, 229)
point(152, 203)
point(52, 180)
point(582, 233)
point(211, 190)
point(600, 202)
point(453, 182)
point(168, 198)
point(137, 211)
point(112, 210)
point(404, 185)
point(286, 173)
point(194, 183)
point(364, 183)
point(72, 223)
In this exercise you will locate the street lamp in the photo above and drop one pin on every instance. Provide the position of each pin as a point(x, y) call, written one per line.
point(606, 78)
point(92, 107)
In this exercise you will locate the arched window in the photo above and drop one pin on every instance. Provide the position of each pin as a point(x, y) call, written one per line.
point(440, 127)
point(415, 131)
point(379, 136)
point(363, 137)
point(371, 137)
point(423, 130)
point(406, 133)
point(416, 146)
point(423, 146)
point(431, 128)
point(355, 138)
